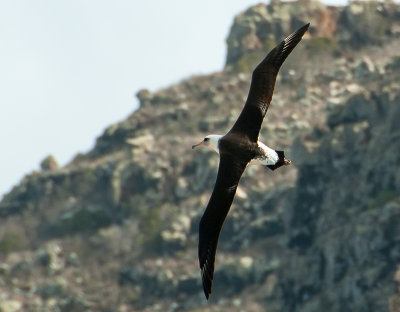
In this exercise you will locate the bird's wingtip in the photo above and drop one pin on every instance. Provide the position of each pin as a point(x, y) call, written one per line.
point(304, 28)
point(207, 291)
point(206, 281)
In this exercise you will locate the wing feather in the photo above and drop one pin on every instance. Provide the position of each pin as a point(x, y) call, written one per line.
point(229, 173)
point(262, 86)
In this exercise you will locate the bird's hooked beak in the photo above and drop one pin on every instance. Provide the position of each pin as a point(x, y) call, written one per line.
point(198, 144)
point(286, 162)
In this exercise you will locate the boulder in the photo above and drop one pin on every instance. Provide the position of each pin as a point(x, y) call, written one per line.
point(49, 163)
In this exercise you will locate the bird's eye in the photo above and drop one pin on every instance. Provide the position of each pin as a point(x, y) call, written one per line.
point(206, 139)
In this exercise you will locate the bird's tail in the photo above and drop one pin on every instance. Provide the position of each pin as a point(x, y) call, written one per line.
point(282, 161)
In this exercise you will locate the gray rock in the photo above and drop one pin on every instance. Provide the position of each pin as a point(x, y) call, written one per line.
point(366, 71)
point(144, 96)
point(73, 259)
point(181, 188)
point(49, 163)
point(54, 289)
point(11, 306)
point(321, 235)
point(50, 257)
point(304, 152)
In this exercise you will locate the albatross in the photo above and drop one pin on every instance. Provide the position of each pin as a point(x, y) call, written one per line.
point(238, 148)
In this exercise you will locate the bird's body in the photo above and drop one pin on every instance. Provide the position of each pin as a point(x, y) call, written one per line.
point(238, 148)
point(260, 154)
point(267, 157)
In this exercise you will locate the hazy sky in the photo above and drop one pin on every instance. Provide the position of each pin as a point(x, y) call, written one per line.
point(70, 68)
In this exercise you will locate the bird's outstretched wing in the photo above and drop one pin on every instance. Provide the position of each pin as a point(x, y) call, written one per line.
point(229, 173)
point(262, 87)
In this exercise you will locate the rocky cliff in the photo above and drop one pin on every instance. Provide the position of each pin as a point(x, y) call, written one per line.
point(116, 228)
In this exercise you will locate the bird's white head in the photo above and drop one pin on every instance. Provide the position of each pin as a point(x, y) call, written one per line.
point(210, 141)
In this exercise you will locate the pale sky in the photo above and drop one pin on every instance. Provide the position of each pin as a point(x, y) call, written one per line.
point(69, 69)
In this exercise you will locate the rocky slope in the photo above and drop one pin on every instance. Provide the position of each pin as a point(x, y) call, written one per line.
point(116, 229)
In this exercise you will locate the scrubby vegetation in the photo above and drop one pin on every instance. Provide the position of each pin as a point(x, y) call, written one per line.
point(116, 229)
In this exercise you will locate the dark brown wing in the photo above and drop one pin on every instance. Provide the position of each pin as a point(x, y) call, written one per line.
point(262, 87)
point(229, 173)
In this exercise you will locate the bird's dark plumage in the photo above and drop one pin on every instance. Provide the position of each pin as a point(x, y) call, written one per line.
point(262, 86)
point(214, 216)
point(237, 148)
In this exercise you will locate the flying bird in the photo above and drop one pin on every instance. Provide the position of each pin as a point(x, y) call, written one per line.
point(238, 148)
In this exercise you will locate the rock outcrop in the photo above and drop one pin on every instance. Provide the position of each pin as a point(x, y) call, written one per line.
point(116, 228)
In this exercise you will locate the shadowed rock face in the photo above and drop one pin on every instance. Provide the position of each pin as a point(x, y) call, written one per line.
point(345, 206)
point(116, 228)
